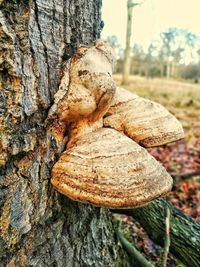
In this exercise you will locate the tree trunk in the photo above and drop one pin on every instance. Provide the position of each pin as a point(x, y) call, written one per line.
point(184, 232)
point(127, 56)
point(38, 226)
point(127, 59)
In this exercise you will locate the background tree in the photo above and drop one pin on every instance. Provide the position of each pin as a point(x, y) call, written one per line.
point(119, 52)
point(137, 60)
point(126, 64)
point(167, 56)
point(168, 41)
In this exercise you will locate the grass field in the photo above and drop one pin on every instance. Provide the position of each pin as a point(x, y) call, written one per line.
point(181, 98)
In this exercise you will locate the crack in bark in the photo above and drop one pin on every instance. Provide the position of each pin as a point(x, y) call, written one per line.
point(41, 39)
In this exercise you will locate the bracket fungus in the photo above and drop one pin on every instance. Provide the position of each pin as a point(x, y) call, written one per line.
point(106, 168)
point(102, 166)
point(146, 122)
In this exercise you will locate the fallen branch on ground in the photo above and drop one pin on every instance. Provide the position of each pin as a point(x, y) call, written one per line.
point(186, 175)
point(184, 232)
point(132, 251)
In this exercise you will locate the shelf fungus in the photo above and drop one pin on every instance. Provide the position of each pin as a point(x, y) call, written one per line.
point(103, 166)
point(146, 122)
point(106, 168)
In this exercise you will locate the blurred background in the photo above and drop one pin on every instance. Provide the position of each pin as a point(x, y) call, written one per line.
point(165, 39)
point(158, 57)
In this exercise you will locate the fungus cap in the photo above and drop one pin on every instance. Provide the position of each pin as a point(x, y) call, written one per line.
point(106, 168)
point(146, 122)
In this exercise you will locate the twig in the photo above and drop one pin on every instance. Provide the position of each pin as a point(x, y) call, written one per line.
point(133, 251)
point(186, 175)
point(167, 237)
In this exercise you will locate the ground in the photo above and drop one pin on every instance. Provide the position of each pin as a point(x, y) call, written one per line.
point(181, 159)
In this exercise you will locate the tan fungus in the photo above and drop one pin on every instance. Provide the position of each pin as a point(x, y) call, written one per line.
point(146, 122)
point(102, 166)
point(106, 168)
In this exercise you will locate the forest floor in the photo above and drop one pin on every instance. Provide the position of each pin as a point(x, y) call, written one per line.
point(181, 159)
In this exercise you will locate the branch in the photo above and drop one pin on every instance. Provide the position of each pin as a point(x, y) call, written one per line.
point(132, 251)
point(184, 232)
point(131, 4)
point(186, 175)
point(134, 4)
point(167, 238)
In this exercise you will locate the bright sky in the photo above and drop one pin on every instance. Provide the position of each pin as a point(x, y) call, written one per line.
point(150, 18)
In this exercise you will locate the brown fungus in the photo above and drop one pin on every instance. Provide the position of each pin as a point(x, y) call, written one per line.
point(90, 88)
point(100, 166)
point(146, 122)
point(85, 92)
point(106, 168)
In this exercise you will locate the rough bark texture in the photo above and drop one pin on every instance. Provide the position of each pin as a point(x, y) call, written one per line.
point(38, 227)
point(184, 232)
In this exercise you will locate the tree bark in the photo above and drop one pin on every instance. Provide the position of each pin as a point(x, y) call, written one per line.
point(184, 232)
point(38, 226)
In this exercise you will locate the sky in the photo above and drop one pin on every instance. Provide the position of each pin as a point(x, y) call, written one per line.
point(150, 18)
